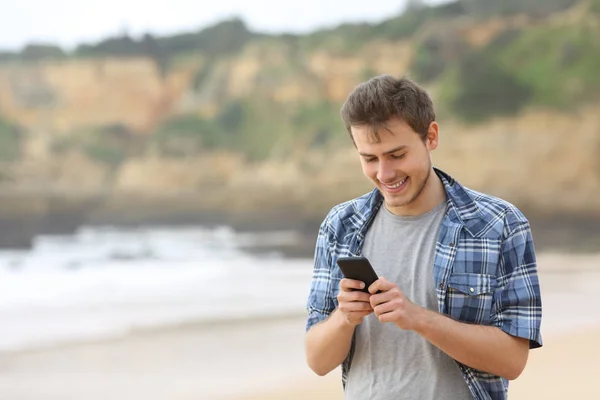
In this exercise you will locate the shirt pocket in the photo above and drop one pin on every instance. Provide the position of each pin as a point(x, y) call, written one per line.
point(470, 296)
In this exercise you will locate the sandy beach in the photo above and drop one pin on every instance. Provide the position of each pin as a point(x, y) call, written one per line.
point(567, 368)
point(264, 359)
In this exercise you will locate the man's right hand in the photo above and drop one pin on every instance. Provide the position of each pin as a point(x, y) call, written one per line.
point(353, 303)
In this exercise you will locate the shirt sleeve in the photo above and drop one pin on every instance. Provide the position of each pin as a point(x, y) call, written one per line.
point(321, 300)
point(518, 303)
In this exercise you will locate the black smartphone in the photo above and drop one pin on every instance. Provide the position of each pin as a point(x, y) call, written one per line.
point(358, 268)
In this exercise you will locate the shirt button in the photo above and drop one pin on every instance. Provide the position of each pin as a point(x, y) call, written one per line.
point(471, 290)
point(451, 244)
point(441, 285)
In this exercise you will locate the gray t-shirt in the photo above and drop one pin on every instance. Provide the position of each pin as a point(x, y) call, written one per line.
point(388, 362)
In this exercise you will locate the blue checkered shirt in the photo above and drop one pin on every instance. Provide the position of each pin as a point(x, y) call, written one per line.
point(484, 269)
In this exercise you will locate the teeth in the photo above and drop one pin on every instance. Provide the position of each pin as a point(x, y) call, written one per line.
point(397, 185)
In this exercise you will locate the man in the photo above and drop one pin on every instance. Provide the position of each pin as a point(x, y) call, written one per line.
point(459, 302)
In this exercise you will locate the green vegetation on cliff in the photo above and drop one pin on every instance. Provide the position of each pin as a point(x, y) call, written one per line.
point(110, 144)
point(559, 63)
point(10, 141)
point(551, 63)
point(260, 129)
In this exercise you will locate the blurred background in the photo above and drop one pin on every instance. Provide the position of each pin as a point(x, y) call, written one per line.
point(165, 167)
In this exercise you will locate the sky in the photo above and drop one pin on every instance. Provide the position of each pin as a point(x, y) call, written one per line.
point(71, 22)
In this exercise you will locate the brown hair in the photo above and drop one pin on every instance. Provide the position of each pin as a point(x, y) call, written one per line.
point(383, 97)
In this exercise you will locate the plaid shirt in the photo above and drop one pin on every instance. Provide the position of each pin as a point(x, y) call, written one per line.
point(484, 269)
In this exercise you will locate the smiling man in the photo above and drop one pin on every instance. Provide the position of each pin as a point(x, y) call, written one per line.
point(457, 306)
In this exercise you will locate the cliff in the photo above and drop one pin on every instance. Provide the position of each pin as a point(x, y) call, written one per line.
point(254, 125)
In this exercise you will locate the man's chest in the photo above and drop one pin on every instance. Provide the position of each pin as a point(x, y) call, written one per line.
point(405, 256)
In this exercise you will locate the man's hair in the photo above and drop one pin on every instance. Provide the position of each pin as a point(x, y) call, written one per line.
point(381, 98)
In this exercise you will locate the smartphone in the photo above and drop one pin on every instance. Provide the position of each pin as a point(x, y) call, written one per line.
point(358, 268)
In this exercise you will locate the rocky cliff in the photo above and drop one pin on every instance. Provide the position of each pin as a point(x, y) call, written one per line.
point(257, 129)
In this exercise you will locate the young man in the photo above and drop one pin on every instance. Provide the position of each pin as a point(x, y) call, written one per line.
point(459, 304)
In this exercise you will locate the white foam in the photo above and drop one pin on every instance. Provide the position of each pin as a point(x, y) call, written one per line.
point(104, 282)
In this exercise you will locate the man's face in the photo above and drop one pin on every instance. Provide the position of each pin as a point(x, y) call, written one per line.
point(399, 164)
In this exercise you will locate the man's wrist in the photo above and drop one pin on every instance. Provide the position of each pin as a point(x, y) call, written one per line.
point(424, 319)
point(341, 321)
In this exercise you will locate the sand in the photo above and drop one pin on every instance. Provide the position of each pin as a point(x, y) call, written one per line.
point(264, 359)
point(198, 361)
point(565, 368)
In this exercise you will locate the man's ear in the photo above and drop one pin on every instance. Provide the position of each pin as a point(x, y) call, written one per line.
point(432, 140)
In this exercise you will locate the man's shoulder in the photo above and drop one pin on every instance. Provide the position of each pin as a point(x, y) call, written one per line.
point(483, 214)
point(350, 213)
point(495, 210)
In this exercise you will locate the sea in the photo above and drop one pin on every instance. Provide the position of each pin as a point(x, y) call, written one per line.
point(104, 281)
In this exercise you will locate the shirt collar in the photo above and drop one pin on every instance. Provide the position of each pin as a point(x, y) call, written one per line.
point(462, 208)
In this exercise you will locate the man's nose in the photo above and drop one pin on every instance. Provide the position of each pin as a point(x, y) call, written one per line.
point(385, 172)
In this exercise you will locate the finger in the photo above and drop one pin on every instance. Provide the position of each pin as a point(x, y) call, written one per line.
point(351, 284)
point(381, 284)
point(358, 316)
point(391, 316)
point(384, 308)
point(355, 306)
point(362, 314)
point(381, 298)
point(358, 295)
point(353, 295)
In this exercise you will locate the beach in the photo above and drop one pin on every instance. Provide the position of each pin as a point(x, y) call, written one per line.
point(251, 358)
point(566, 369)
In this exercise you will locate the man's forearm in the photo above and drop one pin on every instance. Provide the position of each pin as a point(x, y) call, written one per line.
point(328, 343)
point(481, 347)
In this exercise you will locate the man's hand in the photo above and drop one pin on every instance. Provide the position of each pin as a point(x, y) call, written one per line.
point(391, 305)
point(353, 304)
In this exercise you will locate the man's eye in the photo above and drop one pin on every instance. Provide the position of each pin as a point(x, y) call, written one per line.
point(370, 159)
point(399, 157)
